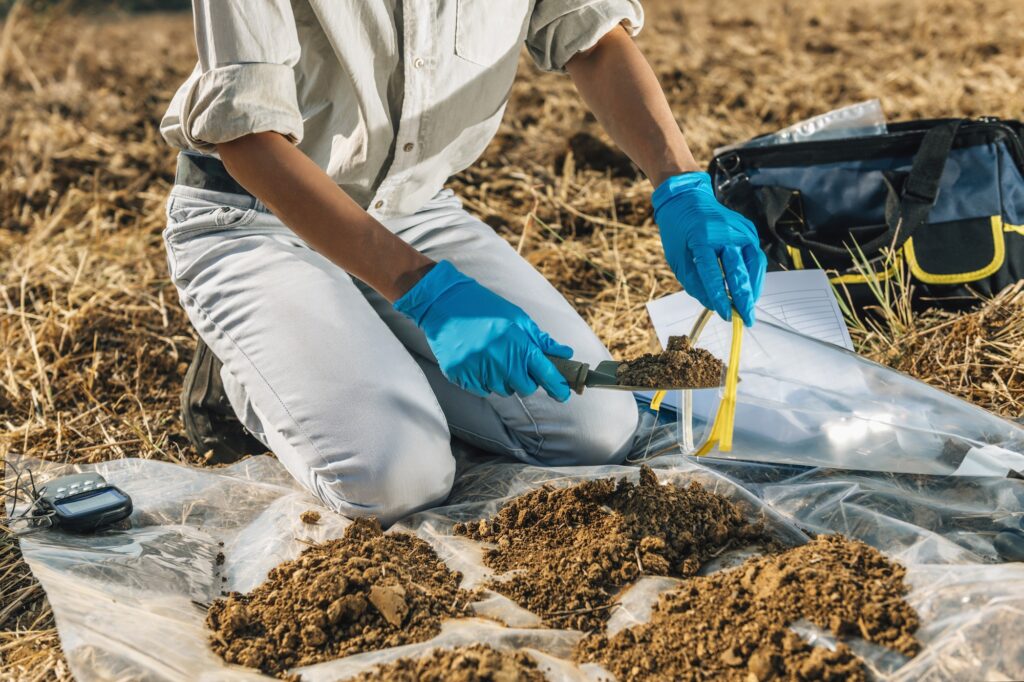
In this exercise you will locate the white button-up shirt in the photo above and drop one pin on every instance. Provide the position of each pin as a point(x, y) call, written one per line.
point(389, 97)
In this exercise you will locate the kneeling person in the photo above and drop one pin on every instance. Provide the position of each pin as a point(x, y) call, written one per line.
point(353, 316)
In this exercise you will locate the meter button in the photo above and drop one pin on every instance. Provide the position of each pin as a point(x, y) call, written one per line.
point(61, 490)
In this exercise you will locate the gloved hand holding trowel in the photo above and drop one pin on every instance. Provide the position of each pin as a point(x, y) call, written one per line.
point(353, 315)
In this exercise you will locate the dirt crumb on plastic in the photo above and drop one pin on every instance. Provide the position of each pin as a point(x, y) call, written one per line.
point(310, 516)
point(680, 364)
point(572, 549)
point(472, 663)
point(732, 625)
point(364, 591)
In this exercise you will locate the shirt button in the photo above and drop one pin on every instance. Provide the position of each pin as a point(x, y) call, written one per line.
point(408, 146)
point(418, 62)
point(378, 204)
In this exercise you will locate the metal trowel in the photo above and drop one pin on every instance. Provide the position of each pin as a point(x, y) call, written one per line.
point(581, 375)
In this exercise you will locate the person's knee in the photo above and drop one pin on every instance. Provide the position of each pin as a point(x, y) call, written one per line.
point(392, 487)
point(389, 470)
point(609, 433)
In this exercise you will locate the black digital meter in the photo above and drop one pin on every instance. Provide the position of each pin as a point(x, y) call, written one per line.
point(83, 502)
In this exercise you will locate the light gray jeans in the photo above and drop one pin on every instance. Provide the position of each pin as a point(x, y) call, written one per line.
point(344, 390)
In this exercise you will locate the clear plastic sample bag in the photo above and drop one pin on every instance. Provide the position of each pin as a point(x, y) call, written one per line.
point(802, 401)
point(855, 120)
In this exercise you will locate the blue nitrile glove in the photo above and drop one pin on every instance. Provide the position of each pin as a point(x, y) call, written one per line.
point(698, 233)
point(482, 342)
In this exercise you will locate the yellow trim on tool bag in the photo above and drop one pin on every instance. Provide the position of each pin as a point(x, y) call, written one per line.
point(998, 256)
point(857, 278)
point(798, 263)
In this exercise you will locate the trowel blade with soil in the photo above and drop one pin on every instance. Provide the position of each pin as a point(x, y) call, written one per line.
point(581, 375)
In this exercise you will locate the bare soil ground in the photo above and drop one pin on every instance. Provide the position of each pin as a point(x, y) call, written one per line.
point(94, 345)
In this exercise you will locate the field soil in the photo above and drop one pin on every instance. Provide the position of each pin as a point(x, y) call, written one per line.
point(679, 365)
point(95, 346)
point(732, 625)
point(473, 663)
point(569, 551)
point(364, 591)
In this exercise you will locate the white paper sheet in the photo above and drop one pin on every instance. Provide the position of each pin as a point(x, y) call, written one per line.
point(799, 299)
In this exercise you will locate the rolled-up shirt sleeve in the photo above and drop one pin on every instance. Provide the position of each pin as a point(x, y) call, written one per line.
point(245, 80)
point(560, 29)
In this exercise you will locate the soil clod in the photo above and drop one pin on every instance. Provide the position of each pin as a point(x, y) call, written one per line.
point(732, 625)
point(310, 516)
point(571, 550)
point(365, 591)
point(473, 663)
point(679, 365)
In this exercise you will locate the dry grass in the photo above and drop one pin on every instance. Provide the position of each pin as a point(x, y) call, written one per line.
point(93, 343)
point(977, 355)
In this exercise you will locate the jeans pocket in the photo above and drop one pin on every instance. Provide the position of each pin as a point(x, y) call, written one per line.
point(194, 225)
point(188, 215)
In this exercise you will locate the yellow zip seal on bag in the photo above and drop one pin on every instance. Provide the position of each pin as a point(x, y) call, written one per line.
point(722, 426)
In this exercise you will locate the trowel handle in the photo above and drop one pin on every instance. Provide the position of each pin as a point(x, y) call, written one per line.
point(574, 372)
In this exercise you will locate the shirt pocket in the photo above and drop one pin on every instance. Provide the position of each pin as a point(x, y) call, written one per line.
point(489, 31)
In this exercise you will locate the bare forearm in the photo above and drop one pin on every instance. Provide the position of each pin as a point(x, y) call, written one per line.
point(619, 86)
point(315, 208)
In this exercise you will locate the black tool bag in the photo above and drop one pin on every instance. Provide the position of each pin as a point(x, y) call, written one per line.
point(944, 198)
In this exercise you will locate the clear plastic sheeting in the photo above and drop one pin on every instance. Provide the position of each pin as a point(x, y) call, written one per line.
point(806, 402)
point(855, 120)
point(128, 603)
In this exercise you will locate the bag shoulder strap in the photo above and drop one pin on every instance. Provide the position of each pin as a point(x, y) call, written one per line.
point(906, 207)
point(921, 188)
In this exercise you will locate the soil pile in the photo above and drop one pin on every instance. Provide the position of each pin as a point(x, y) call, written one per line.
point(572, 549)
point(365, 591)
point(732, 625)
point(474, 663)
point(680, 364)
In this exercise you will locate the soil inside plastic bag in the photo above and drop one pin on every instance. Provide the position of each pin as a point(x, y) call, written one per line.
point(569, 551)
point(364, 591)
point(125, 599)
point(680, 364)
point(472, 663)
point(732, 625)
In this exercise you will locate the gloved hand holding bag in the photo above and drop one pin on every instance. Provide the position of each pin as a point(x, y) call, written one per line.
point(709, 246)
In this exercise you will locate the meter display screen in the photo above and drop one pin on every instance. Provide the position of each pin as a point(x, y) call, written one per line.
point(100, 500)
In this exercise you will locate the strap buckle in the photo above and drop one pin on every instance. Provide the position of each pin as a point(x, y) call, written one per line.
point(921, 197)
